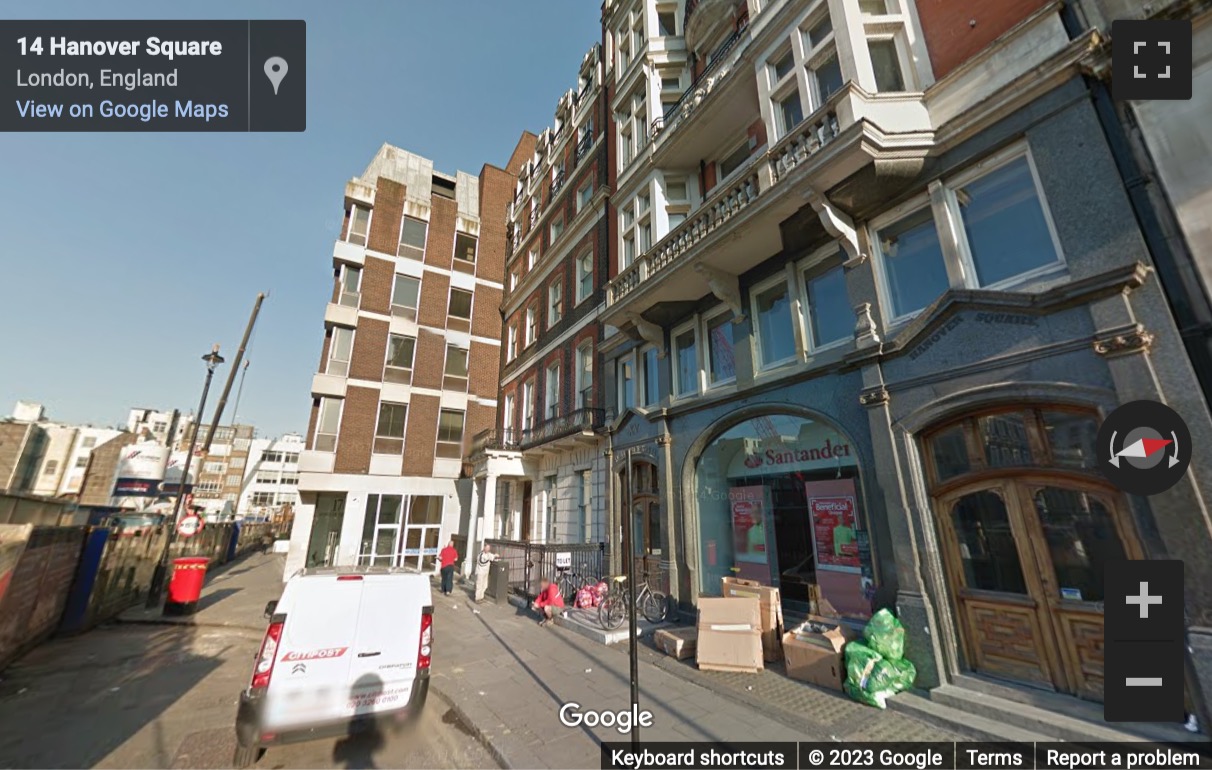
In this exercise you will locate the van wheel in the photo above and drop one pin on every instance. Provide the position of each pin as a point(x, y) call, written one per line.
point(246, 756)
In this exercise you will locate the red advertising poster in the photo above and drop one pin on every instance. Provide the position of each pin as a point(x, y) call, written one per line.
point(749, 514)
point(832, 510)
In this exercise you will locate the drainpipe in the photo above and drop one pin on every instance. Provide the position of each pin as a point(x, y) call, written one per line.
point(1187, 300)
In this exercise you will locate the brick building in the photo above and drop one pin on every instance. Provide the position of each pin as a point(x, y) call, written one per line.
point(218, 477)
point(408, 365)
point(875, 281)
point(539, 472)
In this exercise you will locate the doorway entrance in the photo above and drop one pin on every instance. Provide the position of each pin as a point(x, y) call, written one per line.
point(527, 493)
point(325, 531)
point(1026, 532)
point(401, 531)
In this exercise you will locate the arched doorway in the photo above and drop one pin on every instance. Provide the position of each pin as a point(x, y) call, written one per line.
point(777, 499)
point(644, 534)
point(1027, 526)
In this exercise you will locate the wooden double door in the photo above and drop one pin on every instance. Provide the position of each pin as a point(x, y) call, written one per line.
point(1025, 557)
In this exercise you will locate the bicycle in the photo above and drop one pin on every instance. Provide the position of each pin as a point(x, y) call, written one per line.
point(654, 605)
point(570, 583)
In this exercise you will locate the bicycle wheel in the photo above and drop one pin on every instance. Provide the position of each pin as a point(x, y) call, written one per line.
point(612, 612)
point(655, 606)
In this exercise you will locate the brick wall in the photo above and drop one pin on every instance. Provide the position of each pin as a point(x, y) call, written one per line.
point(378, 277)
point(479, 418)
point(482, 365)
point(357, 430)
point(496, 191)
point(430, 360)
point(388, 214)
point(486, 312)
point(421, 435)
point(439, 247)
point(435, 295)
point(369, 350)
point(951, 36)
point(37, 592)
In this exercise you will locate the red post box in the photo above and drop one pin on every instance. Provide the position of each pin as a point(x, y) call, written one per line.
point(185, 586)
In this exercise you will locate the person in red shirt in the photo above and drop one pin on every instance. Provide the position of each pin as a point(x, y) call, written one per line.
point(447, 557)
point(549, 602)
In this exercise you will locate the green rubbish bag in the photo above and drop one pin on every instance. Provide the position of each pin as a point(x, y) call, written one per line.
point(903, 673)
point(885, 634)
point(879, 699)
point(860, 662)
point(871, 678)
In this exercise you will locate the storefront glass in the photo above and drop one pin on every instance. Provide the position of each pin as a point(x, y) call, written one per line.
point(778, 502)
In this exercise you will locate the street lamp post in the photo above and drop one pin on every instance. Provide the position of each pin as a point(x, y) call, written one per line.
point(156, 591)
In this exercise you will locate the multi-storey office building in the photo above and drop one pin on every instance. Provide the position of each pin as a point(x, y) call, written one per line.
point(408, 367)
point(271, 477)
point(218, 476)
point(877, 283)
point(540, 471)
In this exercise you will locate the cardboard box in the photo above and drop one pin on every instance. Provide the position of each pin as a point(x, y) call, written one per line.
point(771, 607)
point(681, 643)
point(817, 656)
point(730, 635)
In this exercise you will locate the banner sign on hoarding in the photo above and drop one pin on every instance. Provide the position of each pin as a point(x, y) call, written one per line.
point(172, 474)
point(141, 470)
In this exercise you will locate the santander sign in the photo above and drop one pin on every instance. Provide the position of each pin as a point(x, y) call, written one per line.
point(775, 456)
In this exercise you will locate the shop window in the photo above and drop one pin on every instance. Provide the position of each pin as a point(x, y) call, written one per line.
point(778, 502)
point(1072, 439)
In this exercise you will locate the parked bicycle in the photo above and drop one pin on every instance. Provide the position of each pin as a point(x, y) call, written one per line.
point(654, 605)
point(570, 582)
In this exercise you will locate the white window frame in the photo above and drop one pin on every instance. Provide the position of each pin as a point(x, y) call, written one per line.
point(401, 246)
point(555, 296)
point(581, 382)
point(721, 179)
point(584, 196)
point(404, 311)
point(556, 228)
point(374, 448)
point(640, 218)
point(475, 252)
point(758, 344)
point(446, 360)
point(513, 280)
point(508, 414)
point(551, 396)
point(883, 289)
point(343, 292)
point(511, 343)
point(528, 405)
point(470, 309)
point(641, 359)
point(341, 366)
point(582, 274)
point(691, 326)
point(392, 367)
point(439, 443)
point(810, 264)
point(531, 321)
point(812, 57)
point(340, 402)
point(621, 383)
point(532, 258)
point(370, 213)
point(705, 358)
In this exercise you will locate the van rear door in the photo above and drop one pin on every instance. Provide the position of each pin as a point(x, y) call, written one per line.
point(383, 667)
point(311, 677)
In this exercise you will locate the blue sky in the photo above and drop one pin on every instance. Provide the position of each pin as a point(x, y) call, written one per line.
point(126, 256)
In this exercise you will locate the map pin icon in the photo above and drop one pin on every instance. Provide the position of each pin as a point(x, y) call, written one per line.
point(275, 70)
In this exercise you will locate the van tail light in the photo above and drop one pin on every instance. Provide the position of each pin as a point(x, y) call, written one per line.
point(265, 659)
point(350, 577)
point(426, 646)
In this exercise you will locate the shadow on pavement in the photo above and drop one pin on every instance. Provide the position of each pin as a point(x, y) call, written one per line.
point(72, 702)
point(212, 598)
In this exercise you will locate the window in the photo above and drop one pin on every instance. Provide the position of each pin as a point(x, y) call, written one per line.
point(456, 368)
point(873, 7)
point(1005, 228)
point(159, 427)
point(886, 62)
point(584, 196)
point(555, 303)
point(400, 351)
point(271, 457)
point(389, 430)
point(404, 296)
point(528, 405)
point(667, 23)
point(511, 343)
point(450, 434)
point(584, 276)
point(340, 346)
point(82, 462)
point(557, 228)
point(263, 498)
point(790, 112)
point(234, 480)
point(820, 59)
point(412, 238)
point(532, 259)
point(584, 495)
point(775, 332)
point(650, 393)
point(214, 468)
point(830, 316)
point(513, 280)
point(686, 362)
point(736, 159)
point(459, 310)
point(351, 282)
point(290, 457)
point(633, 127)
point(552, 400)
point(626, 380)
point(912, 260)
point(532, 326)
point(52, 466)
point(721, 362)
point(465, 247)
point(507, 414)
point(90, 441)
point(635, 227)
point(584, 381)
point(359, 225)
point(236, 463)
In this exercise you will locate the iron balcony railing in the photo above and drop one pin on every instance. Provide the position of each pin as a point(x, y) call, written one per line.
point(493, 439)
point(583, 145)
point(576, 421)
point(713, 63)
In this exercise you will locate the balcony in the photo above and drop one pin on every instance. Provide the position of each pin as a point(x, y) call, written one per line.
point(583, 145)
point(706, 252)
point(493, 440)
point(346, 253)
point(341, 315)
point(579, 424)
point(721, 103)
point(328, 385)
point(495, 453)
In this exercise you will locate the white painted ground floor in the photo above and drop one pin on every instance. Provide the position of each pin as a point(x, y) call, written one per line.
point(347, 519)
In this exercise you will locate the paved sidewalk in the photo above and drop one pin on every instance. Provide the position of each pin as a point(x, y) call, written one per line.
point(234, 596)
point(508, 678)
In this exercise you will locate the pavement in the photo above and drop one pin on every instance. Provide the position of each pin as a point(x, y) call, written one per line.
point(153, 692)
point(508, 678)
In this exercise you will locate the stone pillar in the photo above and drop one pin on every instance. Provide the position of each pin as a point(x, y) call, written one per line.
point(673, 546)
point(474, 520)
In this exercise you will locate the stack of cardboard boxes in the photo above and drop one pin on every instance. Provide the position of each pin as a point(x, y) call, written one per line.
point(814, 651)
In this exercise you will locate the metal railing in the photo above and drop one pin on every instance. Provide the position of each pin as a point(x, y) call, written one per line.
point(562, 425)
point(713, 63)
point(531, 562)
point(583, 145)
point(493, 439)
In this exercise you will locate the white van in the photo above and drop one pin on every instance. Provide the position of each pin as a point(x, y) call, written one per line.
point(346, 648)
